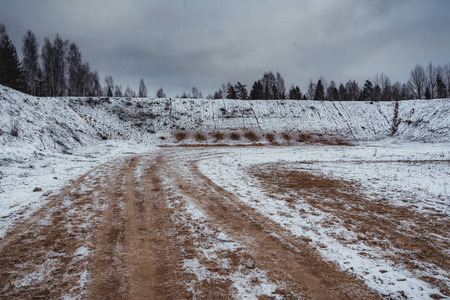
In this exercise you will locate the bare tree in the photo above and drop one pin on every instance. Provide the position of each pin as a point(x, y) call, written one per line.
point(30, 61)
point(142, 89)
point(418, 81)
point(353, 90)
point(431, 79)
point(129, 92)
point(281, 89)
point(75, 84)
point(109, 88)
point(59, 65)
point(311, 90)
point(446, 75)
point(195, 92)
point(118, 91)
point(2, 29)
point(93, 85)
point(47, 67)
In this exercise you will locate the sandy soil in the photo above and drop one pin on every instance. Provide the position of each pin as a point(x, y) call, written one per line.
point(121, 231)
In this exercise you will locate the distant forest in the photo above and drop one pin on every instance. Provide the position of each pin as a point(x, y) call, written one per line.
point(57, 69)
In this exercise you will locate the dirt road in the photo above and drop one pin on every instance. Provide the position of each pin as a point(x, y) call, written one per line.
point(154, 227)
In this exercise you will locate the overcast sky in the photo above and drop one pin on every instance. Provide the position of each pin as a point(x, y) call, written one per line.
point(177, 44)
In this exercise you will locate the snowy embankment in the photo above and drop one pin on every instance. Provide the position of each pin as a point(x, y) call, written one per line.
point(286, 120)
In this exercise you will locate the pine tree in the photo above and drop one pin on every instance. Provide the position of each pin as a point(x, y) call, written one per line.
point(241, 91)
point(319, 93)
point(427, 93)
point(231, 92)
point(441, 89)
point(257, 91)
point(367, 92)
point(160, 93)
point(11, 73)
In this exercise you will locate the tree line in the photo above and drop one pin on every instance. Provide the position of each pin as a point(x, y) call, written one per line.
point(430, 82)
point(59, 70)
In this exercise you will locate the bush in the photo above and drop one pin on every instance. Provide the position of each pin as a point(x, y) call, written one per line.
point(235, 136)
point(270, 137)
point(251, 136)
point(180, 135)
point(15, 129)
point(218, 136)
point(200, 137)
point(286, 136)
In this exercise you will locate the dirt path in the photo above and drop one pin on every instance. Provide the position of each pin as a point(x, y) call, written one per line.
point(151, 227)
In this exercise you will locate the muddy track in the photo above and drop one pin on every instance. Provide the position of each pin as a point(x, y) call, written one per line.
point(118, 233)
point(285, 257)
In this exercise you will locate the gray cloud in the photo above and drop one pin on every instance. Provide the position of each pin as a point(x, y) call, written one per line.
point(181, 43)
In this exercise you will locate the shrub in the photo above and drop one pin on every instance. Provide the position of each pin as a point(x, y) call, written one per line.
point(286, 136)
point(251, 136)
point(15, 129)
point(218, 136)
point(180, 135)
point(235, 136)
point(200, 137)
point(303, 137)
point(270, 137)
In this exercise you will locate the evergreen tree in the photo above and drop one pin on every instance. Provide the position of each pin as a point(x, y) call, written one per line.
point(441, 89)
point(367, 92)
point(231, 92)
point(342, 93)
point(427, 93)
point(332, 92)
point(257, 91)
point(376, 93)
point(160, 93)
point(319, 93)
point(11, 73)
point(241, 91)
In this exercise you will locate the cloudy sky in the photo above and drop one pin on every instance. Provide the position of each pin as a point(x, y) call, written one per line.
point(177, 44)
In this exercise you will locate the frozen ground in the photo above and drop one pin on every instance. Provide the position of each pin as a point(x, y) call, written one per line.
point(223, 221)
point(411, 175)
point(50, 172)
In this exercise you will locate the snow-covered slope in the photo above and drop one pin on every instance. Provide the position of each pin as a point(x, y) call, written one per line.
point(144, 119)
point(33, 126)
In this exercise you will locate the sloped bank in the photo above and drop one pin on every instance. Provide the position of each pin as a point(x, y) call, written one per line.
point(281, 121)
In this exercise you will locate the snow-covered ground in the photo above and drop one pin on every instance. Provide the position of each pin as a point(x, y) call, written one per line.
point(407, 174)
point(47, 143)
point(50, 172)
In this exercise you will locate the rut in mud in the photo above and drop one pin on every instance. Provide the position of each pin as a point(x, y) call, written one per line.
point(154, 227)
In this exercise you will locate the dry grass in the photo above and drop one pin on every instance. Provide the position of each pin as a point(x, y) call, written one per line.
point(180, 135)
point(251, 136)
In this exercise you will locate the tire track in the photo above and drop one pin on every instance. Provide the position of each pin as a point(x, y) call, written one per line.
point(283, 256)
